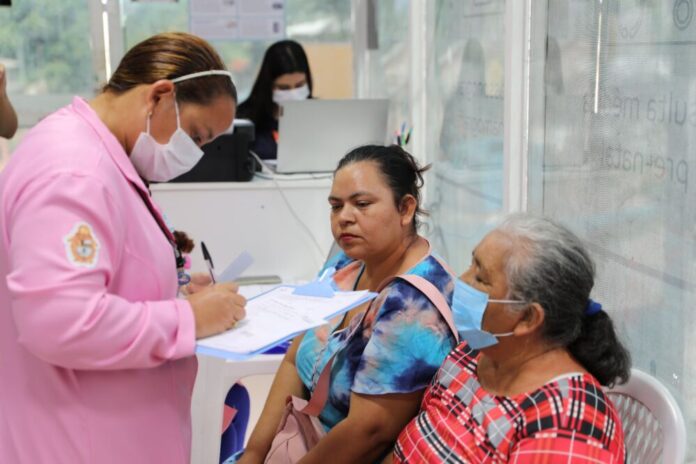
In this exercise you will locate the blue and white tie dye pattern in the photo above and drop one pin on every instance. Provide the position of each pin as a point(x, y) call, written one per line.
point(398, 350)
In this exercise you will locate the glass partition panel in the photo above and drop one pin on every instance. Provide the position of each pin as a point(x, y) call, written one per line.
point(465, 125)
point(389, 60)
point(612, 147)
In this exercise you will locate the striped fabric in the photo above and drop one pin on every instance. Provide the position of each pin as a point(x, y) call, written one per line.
point(567, 420)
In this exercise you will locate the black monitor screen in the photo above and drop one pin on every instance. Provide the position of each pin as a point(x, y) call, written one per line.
point(225, 159)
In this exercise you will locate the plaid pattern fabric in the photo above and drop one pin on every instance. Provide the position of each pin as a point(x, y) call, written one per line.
point(567, 420)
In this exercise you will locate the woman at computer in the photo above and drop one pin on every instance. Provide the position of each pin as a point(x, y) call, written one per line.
point(379, 374)
point(284, 75)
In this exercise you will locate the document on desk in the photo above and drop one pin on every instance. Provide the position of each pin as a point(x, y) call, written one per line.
point(275, 316)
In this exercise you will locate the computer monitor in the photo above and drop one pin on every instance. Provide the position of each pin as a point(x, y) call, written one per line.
point(313, 135)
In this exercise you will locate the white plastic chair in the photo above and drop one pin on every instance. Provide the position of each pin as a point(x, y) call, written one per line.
point(214, 380)
point(653, 425)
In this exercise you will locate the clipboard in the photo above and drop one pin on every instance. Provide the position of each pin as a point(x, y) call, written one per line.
point(278, 315)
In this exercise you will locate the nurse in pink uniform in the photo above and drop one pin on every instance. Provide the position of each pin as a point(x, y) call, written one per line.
point(96, 350)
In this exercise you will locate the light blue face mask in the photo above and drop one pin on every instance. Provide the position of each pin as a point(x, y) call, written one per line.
point(468, 306)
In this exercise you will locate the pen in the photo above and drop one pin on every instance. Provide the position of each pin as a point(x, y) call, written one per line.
point(408, 136)
point(208, 261)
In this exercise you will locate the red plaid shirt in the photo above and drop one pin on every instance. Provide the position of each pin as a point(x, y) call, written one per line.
point(569, 419)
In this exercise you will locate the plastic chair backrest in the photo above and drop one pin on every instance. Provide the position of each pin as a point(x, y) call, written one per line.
point(653, 425)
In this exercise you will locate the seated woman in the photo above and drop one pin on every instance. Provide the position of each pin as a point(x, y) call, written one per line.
point(284, 75)
point(378, 378)
point(527, 388)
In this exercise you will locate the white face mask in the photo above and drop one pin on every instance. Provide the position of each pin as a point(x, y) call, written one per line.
point(300, 93)
point(159, 162)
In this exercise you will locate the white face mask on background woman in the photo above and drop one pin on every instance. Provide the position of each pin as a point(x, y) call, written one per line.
point(300, 93)
point(161, 162)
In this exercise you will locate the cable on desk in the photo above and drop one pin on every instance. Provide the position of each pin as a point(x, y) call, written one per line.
point(290, 208)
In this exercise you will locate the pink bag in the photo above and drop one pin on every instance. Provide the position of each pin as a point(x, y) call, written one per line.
point(298, 432)
point(300, 429)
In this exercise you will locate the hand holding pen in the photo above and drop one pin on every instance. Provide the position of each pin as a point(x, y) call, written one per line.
point(218, 307)
point(200, 280)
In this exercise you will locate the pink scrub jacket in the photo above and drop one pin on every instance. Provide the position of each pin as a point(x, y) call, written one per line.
point(96, 352)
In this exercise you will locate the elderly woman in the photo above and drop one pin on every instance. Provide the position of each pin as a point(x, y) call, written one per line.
point(378, 377)
point(526, 384)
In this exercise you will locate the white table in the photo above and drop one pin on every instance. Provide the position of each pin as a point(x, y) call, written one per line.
point(231, 217)
point(214, 380)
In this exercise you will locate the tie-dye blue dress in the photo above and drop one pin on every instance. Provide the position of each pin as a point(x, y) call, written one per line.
point(399, 348)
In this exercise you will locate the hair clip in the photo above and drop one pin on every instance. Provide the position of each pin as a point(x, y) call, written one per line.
point(592, 308)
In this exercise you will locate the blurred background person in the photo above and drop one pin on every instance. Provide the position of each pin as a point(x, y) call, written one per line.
point(8, 117)
point(284, 75)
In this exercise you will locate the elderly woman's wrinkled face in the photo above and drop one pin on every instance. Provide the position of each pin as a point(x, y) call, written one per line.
point(487, 274)
point(364, 218)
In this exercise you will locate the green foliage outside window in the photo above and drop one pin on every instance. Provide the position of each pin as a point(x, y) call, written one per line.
point(45, 45)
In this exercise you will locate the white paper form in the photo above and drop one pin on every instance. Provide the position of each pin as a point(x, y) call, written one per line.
point(251, 291)
point(275, 316)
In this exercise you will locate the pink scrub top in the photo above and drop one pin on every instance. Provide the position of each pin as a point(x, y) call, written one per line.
point(96, 351)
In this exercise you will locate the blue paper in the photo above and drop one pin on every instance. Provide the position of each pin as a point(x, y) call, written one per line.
point(236, 268)
point(321, 287)
point(315, 288)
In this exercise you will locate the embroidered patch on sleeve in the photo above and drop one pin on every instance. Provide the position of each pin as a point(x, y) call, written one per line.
point(81, 245)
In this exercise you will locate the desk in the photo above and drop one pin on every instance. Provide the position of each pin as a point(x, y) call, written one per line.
point(230, 218)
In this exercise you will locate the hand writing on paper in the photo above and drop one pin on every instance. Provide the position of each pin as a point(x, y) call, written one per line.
point(217, 308)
